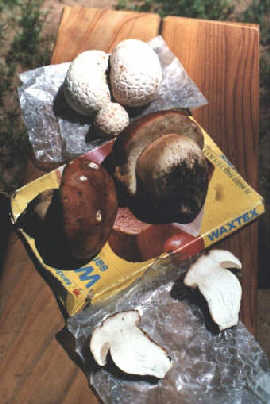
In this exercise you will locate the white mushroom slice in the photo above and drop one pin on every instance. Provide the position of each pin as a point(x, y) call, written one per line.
point(131, 349)
point(85, 86)
point(219, 286)
point(225, 258)
point(135, 74)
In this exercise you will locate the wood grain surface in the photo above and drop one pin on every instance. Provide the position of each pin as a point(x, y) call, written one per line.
point(102, 29)
point(222, 58)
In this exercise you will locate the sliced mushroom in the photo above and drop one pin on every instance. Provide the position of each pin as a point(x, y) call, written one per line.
point(131, 348)
point(225, 258)
point(219, 286)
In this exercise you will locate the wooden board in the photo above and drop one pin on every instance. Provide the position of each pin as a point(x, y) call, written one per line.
point(222, 58)
point(102, 29)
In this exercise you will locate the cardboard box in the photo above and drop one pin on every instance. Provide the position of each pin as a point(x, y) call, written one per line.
point(230, 204)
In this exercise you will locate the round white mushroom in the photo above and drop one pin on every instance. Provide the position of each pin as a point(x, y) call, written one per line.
point(112, 118)
point(85, 86)
point(135, 74)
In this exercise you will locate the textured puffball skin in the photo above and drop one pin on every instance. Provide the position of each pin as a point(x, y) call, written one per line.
point(220, 287)
point(112, 119)
point(130, 348)
point(85, 86)
point(135, 73)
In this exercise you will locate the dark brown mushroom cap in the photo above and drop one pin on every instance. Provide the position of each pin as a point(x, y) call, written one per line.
point(89, 206)
point(144, 131)
point(71, 224)
point(146, 201)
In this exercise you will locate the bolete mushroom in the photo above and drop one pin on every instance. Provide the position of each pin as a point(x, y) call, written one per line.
point(71, 224)
point(131, 349)
point(135, 73)
point(160, 164)
point(219, 286)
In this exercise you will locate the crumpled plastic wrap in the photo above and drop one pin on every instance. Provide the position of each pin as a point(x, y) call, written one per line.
point(58, 134)
point(208, 367)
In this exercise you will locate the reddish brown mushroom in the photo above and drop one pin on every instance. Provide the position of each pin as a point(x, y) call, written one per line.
point(89, 206)
point(71, 224)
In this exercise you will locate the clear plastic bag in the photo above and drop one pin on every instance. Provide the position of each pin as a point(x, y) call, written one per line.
point(208, 367)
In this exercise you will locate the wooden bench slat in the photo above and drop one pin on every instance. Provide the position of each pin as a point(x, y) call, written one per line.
point(223, 60)
point(102, 29)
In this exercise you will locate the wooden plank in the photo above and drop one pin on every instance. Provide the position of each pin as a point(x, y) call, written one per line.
point(223, 60)
point(102, 29)
point(34, 366)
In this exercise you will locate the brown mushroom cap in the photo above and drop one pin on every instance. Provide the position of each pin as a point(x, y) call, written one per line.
point(71, 224)
point(143, 132)
point(89, 207)
point(158, 161)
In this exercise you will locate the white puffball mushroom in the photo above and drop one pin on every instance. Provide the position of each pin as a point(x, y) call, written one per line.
point(112, 118)
point(130, 348)
point(220, 287)
point(135, 73)
point(85, 86)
